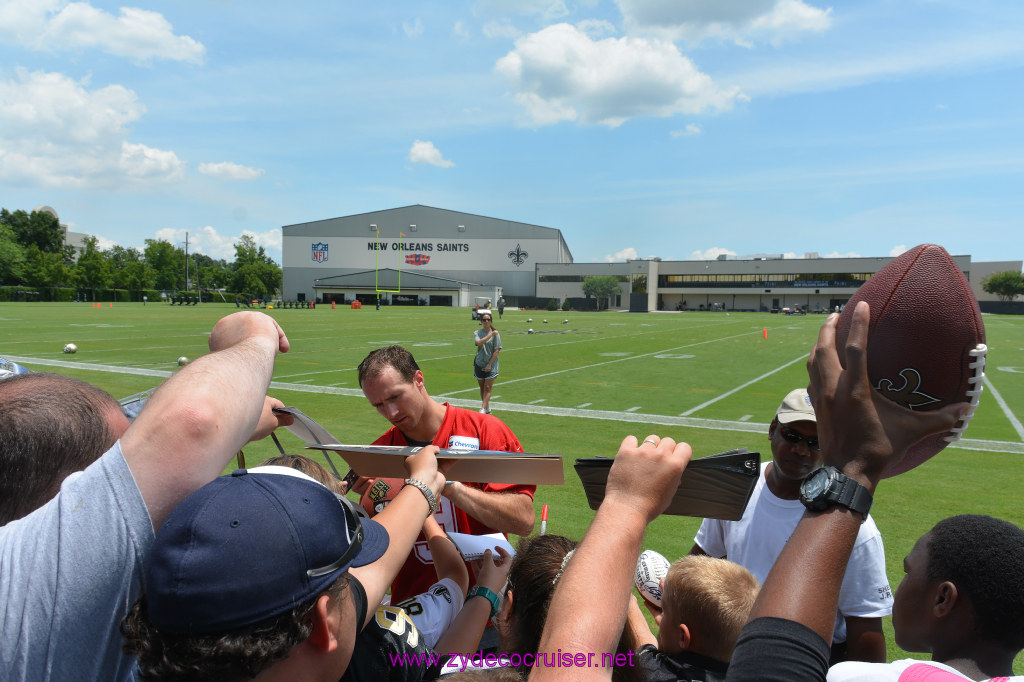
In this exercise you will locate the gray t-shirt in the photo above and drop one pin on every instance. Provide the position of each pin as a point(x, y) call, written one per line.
point(69, 571)
point(486, 350)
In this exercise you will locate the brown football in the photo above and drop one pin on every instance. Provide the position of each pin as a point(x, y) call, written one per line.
point(926, 340)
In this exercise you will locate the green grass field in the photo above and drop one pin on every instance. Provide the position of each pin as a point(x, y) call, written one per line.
point(574, 389)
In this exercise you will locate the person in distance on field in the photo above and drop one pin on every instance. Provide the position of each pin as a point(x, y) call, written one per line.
point(485, 364)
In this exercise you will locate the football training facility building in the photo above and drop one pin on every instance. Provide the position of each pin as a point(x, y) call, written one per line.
point(419, 255)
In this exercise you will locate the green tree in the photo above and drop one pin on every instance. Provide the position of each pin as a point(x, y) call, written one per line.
point(1007, 285)
point(91, 270)
point(254, 271)
point(601, 287)
point(12, 257)
point(38, 228)
point(45, 269)
point(167, 262)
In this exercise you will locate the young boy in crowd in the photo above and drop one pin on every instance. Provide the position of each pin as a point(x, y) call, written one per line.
point(705, 602)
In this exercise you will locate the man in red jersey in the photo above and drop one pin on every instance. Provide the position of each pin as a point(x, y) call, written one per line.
point(393, 383)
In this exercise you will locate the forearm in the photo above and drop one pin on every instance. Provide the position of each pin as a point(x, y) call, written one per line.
point(510, 512)
point(494, 357)
point(403, 519)
point(197, 421)
point(607, 558)
point(865, 640)
point(448, 562)
point(463, 635)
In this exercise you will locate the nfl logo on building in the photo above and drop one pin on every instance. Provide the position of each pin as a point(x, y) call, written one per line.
point(319, 252)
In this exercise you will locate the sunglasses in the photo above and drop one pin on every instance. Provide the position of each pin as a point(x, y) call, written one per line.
point(485, 319)
point(795, 437)
point(354, 533)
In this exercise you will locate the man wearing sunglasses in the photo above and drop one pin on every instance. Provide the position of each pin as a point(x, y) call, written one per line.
point(774, 510)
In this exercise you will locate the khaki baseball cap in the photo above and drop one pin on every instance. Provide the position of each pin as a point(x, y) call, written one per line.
point(796, 407)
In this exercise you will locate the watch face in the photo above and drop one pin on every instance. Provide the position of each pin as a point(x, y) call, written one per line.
point(815, 484)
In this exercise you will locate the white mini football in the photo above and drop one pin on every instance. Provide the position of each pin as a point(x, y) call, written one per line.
point(70, 348)
point(651, 567)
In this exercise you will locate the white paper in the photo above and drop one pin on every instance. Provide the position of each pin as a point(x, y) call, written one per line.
point(472, 547)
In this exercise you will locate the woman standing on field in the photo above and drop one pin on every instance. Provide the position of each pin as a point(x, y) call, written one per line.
point(485, 364)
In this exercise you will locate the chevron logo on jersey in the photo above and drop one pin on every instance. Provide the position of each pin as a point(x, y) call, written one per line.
point(417, 259)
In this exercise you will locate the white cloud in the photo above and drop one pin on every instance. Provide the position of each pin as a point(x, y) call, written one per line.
point(741, 21)
point(628, 253)
point(561, 74)
point(414, 29)
point(691, 129)
point(711, 254)
point(231, 171)
point(55, 132)
point(836, 254)
point(503, 29)
point(460, 31)
point(426, 152)
point(60, 25)
point(898, 250)
point(207, 240)
point(140, 161)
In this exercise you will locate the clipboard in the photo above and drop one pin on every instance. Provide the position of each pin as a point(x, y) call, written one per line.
point(716, 487)
point(492, 466)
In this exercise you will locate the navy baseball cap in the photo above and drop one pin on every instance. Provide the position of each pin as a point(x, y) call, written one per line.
point(252, 545)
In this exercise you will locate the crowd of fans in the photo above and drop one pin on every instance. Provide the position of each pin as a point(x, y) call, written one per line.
point(124, 554)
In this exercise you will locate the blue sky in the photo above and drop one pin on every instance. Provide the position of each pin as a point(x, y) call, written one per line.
point(670, 128)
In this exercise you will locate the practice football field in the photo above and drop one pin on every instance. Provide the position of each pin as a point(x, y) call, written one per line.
point(575, 389)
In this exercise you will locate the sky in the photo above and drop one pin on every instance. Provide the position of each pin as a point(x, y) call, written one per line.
point(679, 129)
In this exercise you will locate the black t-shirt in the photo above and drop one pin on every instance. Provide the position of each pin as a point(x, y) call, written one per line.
point(686, 665)
point(778, 649)
point(389, 647)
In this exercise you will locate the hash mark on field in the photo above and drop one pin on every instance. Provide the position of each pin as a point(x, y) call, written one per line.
point(580, 407)
point(634, 409)
point(538, 400)
point(746, 417)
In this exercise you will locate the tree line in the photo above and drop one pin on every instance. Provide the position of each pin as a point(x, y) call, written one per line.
point(33, 254)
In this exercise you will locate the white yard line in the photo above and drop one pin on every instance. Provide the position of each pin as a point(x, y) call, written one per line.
point(604, 415)
point(1006, 408)
point(742, 386)
point(602, 364)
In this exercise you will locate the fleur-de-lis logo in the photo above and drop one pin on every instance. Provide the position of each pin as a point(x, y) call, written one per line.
point(518, 256)
point(908, 395)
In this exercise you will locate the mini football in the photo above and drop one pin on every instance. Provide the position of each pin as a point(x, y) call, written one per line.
point(529, 319)
point(926, 340)
point(651, 567)
point(70, 348)
point(529, 331)
point(182, 361)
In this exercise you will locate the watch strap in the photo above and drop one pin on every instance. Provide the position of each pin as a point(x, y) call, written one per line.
point(488, 594)
point(852, 494)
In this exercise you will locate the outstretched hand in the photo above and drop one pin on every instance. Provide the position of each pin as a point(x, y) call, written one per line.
point(861, 432)
point(645, 476)
point(423, 465)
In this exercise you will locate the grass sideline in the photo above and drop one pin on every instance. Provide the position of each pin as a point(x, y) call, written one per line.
point(576, 389)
